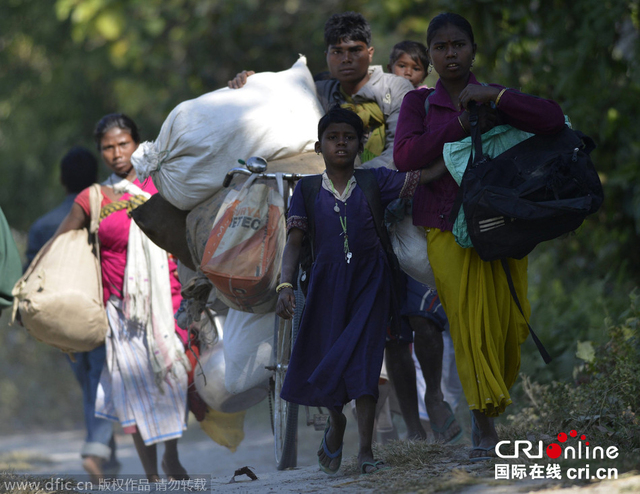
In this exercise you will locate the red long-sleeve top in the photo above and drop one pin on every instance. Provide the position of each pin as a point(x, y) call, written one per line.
point(420, 139)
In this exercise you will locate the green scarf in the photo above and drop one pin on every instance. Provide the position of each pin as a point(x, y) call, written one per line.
point(373, 120)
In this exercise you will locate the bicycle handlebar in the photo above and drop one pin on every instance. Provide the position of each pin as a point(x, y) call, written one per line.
point(243, 171)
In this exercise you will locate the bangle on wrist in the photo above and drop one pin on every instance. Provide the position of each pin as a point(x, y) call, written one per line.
point(500, 96)
point(282, 286)
point(462, 125)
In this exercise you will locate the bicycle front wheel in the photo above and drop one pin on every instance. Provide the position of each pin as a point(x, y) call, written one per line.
point(285, 414)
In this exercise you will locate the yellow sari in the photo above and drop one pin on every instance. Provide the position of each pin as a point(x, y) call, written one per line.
point(486, 326)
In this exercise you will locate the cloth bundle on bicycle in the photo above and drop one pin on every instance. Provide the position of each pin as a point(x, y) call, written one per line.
point(165, 225)
point(537, 190)
point(243, 254)
point(275, 115)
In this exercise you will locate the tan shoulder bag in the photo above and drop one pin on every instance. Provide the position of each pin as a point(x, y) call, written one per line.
point(59, 300)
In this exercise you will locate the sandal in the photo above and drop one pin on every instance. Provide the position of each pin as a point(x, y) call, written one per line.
point(329, 454)
point(451, 419)
point(489, 453)
point(376, 466)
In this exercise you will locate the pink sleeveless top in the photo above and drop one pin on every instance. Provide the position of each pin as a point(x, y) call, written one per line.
point(114, 237)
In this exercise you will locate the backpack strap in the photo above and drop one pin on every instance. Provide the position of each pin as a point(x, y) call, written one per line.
point(543, 351)
point(426, 102)
point(310, 187)
point(369, 185)
point(476, 144)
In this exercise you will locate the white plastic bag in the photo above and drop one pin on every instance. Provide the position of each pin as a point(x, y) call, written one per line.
point(275, 115)
point(409, 242)
point(209, 375)
point(244, 251)
point(209, 381)
point(248, 349)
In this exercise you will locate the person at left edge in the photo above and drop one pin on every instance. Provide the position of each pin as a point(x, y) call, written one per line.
point(9, 263)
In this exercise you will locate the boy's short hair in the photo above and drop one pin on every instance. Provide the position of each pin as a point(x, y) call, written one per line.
point(338, 114)
point(78, 169)
point(417, 51)
point(348, 26)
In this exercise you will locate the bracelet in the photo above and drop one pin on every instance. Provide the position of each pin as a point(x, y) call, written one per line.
point(500, 96)
point(461, 125)
point(282, 286)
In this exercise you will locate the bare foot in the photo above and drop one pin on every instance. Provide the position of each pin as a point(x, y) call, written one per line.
point(93, 466)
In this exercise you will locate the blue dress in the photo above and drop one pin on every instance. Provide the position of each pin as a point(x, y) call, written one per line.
point(337, 355)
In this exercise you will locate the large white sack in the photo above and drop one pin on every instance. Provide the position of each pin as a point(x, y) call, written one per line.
point(275, 115)
point(248, 349)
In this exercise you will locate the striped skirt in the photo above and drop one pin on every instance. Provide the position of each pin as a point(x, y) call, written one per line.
point(128, 393)
point(486, 326)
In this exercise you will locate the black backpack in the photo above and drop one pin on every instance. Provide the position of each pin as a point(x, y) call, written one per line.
point(537, 190)
point(369, 185)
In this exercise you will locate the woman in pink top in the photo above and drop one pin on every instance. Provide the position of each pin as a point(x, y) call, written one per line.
point(144, 384)
point(486, 326)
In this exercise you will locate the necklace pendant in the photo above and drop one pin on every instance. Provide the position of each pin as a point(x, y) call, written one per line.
point(336, 208)
point(349, 256)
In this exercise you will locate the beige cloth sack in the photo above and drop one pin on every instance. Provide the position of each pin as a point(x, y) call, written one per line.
point(59, 300)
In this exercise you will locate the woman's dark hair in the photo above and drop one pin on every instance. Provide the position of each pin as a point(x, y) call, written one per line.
point(341, 115)
point(417, 52)
point(445, 18)
point(348, 26)
point(112, 120)
point(78, 169)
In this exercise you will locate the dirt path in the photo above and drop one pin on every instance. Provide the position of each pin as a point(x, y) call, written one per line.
point(56, 454)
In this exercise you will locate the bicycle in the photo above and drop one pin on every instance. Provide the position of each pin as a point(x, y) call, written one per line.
point(284, 415)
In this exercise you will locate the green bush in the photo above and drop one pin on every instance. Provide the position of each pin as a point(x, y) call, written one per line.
point(601, 400)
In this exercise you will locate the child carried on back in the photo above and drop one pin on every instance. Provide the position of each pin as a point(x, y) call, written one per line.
point(337, 355)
